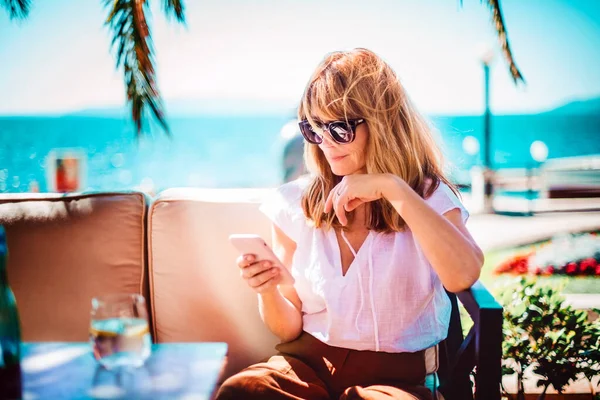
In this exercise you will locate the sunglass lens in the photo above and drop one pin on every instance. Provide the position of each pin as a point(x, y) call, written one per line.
point(341, 132)
point(309, 133)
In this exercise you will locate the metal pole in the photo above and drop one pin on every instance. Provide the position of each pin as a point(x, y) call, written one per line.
point(488, 173)
point(487, 119)
point(530, 171)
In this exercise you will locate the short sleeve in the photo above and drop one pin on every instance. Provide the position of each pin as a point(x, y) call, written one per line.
point(443, 200)
point(283, 207)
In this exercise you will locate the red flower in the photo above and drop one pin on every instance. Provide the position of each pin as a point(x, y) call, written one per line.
point(517, 265)
point(522, 267)
point(588, 264)
point(584, 265)
point(549, 270)
point(504, 267)
point(571, 268)
point(537, 270)
point(598, 269)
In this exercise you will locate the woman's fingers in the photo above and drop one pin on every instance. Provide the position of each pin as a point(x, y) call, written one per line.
point(244, 260)
point(336, 201)
point(263, 277)
point(338, 206)
point(352, 204)
point(255, 269)
point(270, 284)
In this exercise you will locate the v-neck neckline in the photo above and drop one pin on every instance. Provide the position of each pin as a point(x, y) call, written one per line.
point(339, 268)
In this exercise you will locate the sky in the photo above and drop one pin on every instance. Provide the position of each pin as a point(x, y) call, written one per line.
point(259, 54)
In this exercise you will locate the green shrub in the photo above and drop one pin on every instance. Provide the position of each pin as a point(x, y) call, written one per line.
point(542, 332)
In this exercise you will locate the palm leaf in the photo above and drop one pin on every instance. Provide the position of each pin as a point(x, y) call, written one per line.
point(500, 28)
point(17, 9)
point(131, 37)
point(174, 8)
point(494, 5)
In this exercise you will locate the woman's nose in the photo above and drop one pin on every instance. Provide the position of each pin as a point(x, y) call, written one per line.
point(327, 139)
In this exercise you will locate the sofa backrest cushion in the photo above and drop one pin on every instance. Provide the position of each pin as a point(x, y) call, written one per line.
point(195, 286)
point(63, 250)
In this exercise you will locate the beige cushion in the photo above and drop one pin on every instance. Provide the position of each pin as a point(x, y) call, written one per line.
point(196, 290)
point(63, 250)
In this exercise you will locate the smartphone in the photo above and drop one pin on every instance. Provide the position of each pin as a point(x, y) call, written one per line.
point(254, 244)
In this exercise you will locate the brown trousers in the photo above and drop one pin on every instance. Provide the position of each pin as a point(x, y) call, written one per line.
point(307, 368)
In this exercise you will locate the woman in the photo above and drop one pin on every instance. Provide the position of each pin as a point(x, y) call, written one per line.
point(372, 237)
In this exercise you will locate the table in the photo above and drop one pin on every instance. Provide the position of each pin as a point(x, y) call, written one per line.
point(187, 371)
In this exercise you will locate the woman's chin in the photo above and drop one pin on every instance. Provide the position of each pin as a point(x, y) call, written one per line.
point(339, 171)
point(343, 171)
point(345, 166)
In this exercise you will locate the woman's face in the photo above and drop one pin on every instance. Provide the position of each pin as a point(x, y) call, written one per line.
point(347, 159)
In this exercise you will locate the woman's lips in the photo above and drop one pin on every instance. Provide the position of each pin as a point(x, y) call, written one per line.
point(337, 158)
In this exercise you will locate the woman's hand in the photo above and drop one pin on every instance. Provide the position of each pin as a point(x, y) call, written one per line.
point(353, 191)
point(261, 276)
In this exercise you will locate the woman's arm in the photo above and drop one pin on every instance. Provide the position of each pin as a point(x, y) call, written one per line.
point(445, 240)
point(280, 307)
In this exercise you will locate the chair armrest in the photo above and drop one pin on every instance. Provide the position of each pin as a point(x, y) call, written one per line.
point(486, 337)
point(477, 299)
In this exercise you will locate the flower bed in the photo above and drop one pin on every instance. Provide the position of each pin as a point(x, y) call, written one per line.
point(562, 255)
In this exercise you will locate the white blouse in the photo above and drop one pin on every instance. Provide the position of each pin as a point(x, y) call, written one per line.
point(390, 299)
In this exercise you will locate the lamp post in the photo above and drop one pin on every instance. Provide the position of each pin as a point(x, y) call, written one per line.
point(487, 58)
point(539, 153)
point(470, 146)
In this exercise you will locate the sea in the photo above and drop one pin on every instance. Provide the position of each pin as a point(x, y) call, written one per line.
point(215, 151)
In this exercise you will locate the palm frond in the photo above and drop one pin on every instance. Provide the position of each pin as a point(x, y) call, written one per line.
point(500, 28)
point(175, 8)
point(134, 51)
point(494, 5)
point(17, 9)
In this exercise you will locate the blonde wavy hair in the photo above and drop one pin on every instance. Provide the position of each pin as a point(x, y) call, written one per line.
point(359, 84)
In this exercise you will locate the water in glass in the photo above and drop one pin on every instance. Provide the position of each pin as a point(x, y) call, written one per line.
point(119, 331)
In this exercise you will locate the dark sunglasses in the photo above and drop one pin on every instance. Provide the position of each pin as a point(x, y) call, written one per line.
point(342, 132)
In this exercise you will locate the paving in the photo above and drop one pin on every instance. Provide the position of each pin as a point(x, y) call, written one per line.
point(513, 226)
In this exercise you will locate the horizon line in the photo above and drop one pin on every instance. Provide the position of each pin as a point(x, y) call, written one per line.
point(206, 107)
